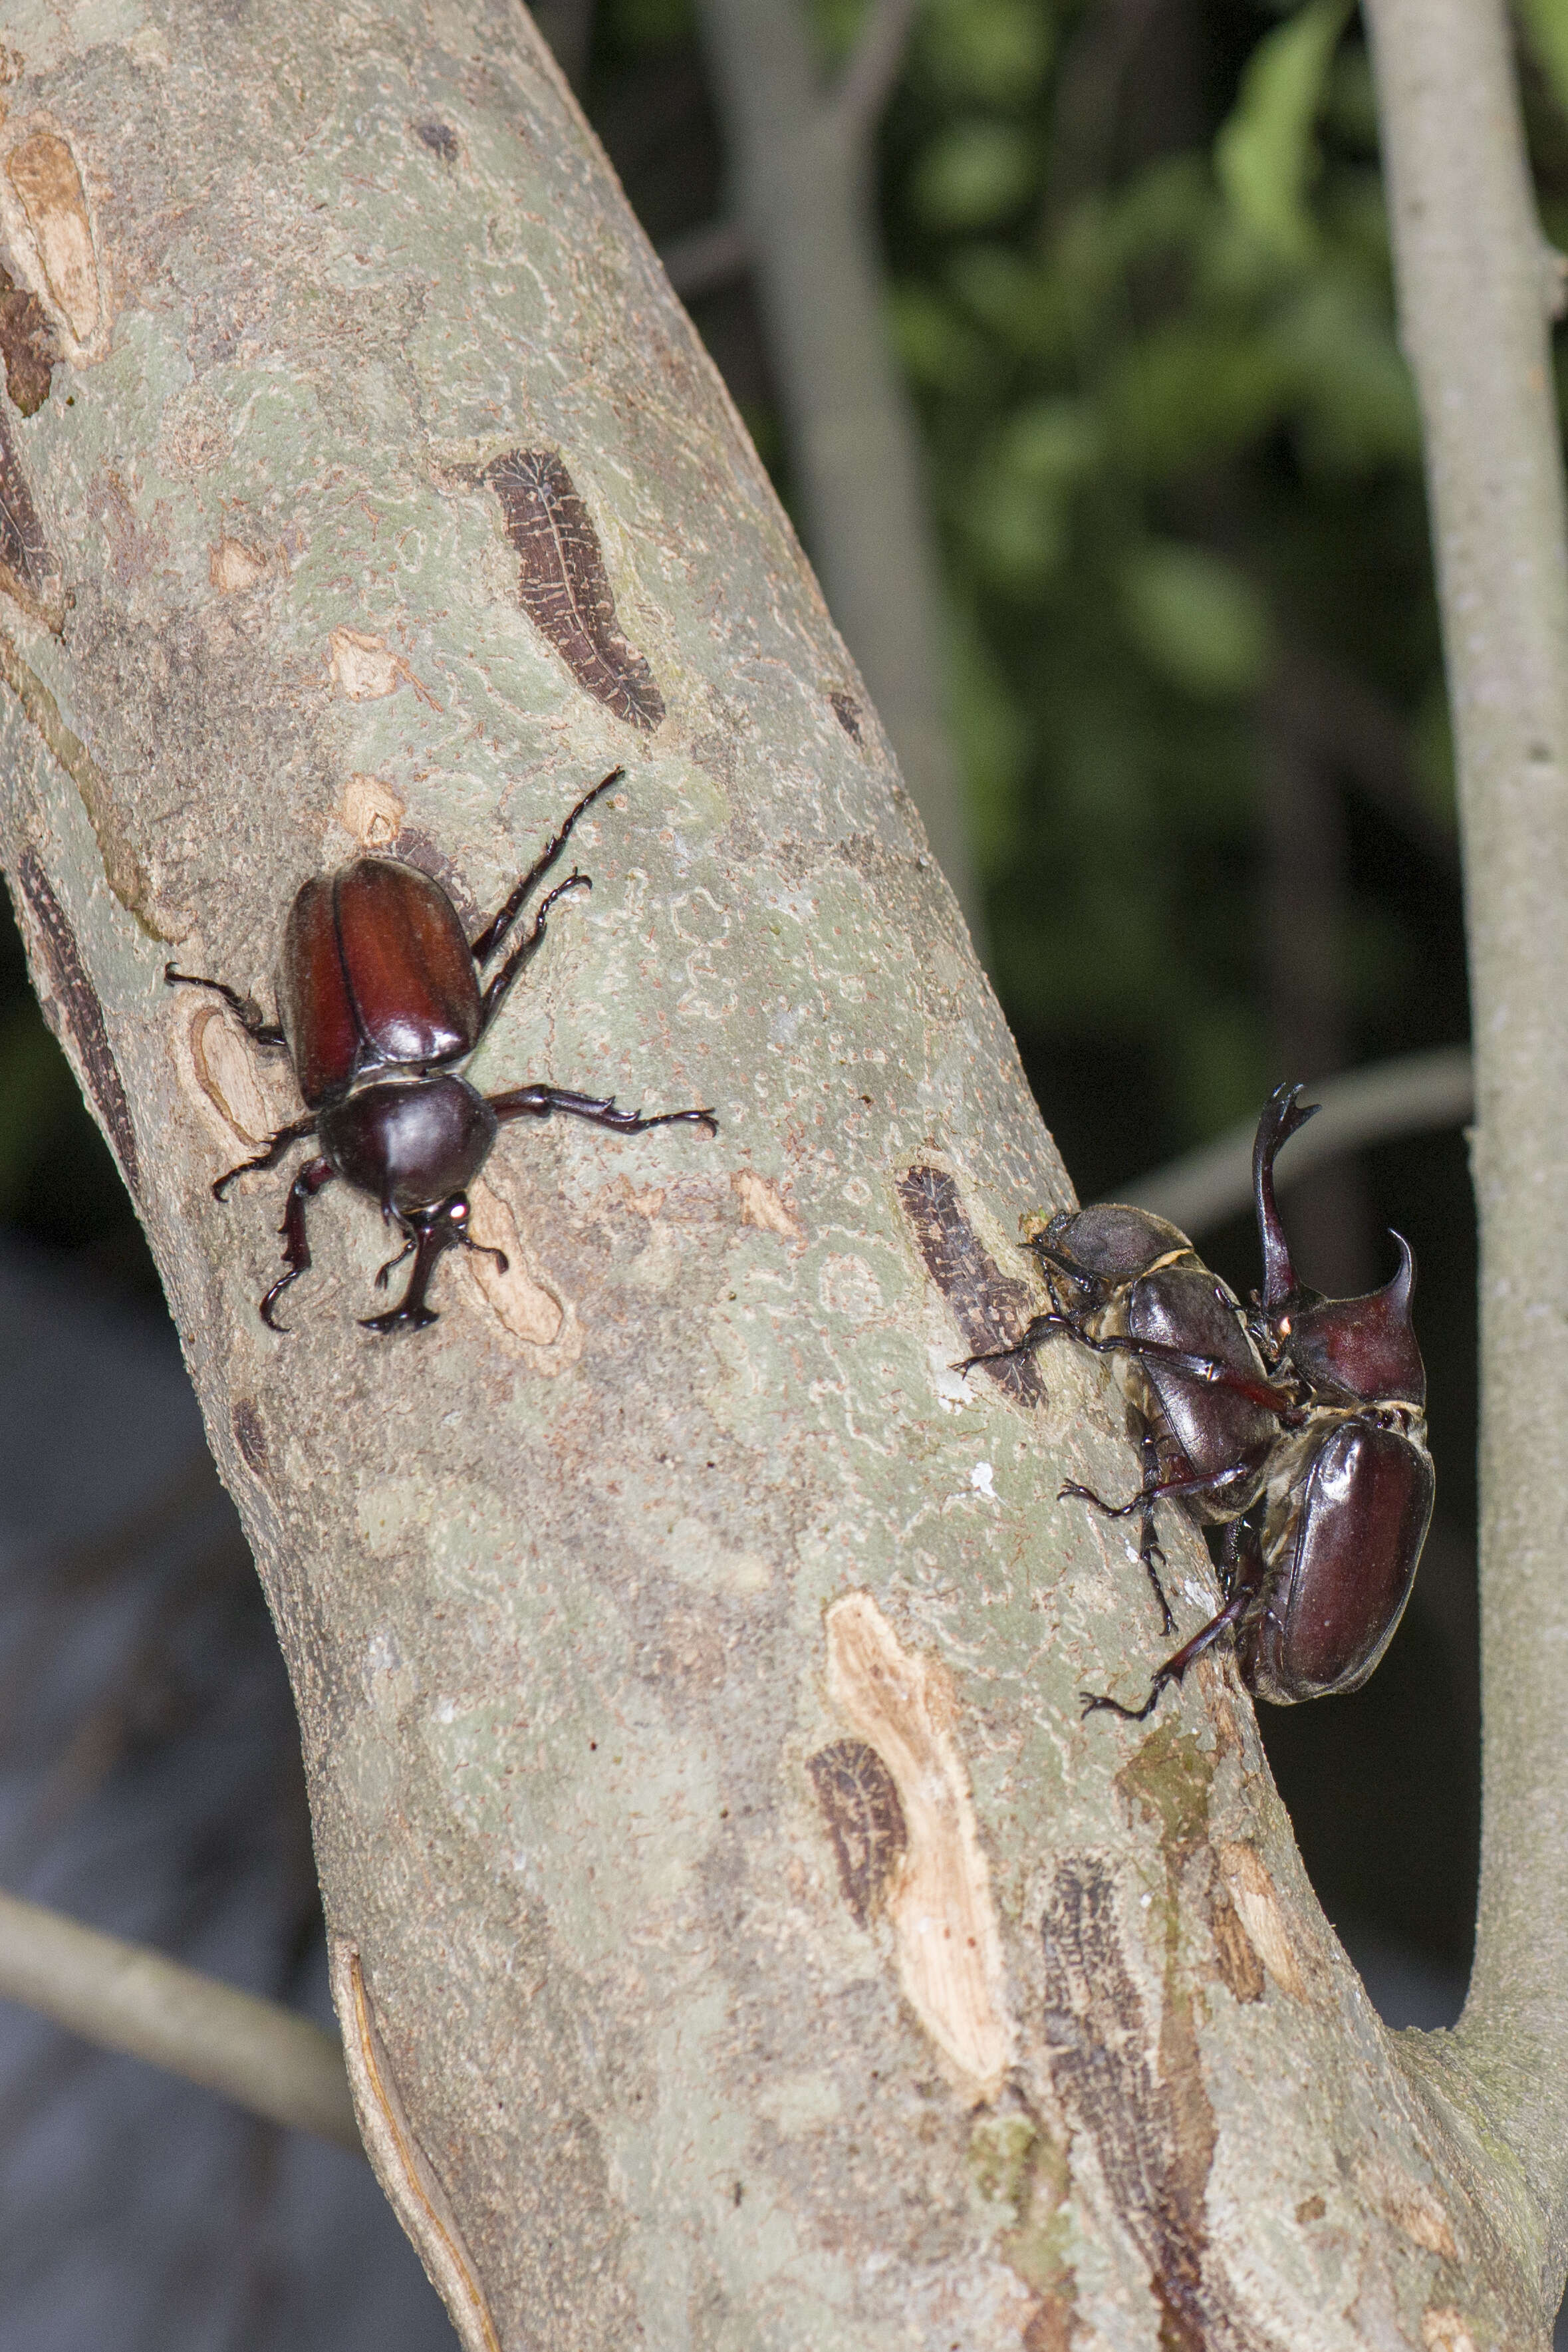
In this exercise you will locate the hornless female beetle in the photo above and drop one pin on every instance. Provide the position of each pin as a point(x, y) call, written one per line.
point(378, 997)
point(1127, 1284)
point(1319, 1552)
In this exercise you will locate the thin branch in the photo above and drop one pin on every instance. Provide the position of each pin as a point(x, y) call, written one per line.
point(1473, 318)
point(865, 84)
point(124, 1997)
point(1413, 1094)
point(705, 259)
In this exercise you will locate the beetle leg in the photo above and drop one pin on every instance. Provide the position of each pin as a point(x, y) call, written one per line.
point(526, 949)
point(1192, 1482)
point(1174, 1667)
point(296, 1248)
point(600, 1110)
point(1149, 1550)
point(277, 1145)
point(383, 1271)
point(1039, 1331)
point(429, 1234)
point(1210, 1369)
point(244, 1008)
point(496, 929)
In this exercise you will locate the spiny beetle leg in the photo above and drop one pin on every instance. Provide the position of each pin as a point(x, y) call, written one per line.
point(1174, 1667)
point(296, 1248)
point(1210, 1369)
point(1149, 1550)
point(526, 949)
point(1191, 1482)
point(599, 1110)
point(1040, 1329)
point(276, 1147)
point(496, 929)
point(244, 1008)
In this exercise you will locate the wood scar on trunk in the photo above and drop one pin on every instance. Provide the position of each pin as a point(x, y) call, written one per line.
point(1148, 2117)
point(937, 1898)
point(401, 2165)
point(563, 584)
point(53, 240)
point(860, 1800)
point(28, 570)
point(75, 1015)
point(991, 1309)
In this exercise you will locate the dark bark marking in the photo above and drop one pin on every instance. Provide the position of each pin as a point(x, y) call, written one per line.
point(26, 566)
point(847, 710)
point(990, 1308)
point(1151, 2127)
point(249, 1435)
point(563, 584)
point(26, 346)
point(859, 1802)
point(440, 138)
point(77, 1008)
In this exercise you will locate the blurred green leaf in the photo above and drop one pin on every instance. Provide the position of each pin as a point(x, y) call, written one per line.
point(1014, 510)
point(940, 349)
point(1359, 409)
point(1266, 154)
point(1192, 391)
point(653, 25)
point(1015, 298)
point(995, 52)
point(973, 174)
point(992, 733)
point(1546, 24)
point(1198, 620)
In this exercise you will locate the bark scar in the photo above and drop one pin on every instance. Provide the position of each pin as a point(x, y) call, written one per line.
point(401, 2164)
point(937, 1895)
point(563, 584)
point(991, 1309)
point(77, 1012)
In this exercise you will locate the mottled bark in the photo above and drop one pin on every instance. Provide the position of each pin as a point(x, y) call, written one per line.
point(739, 1939)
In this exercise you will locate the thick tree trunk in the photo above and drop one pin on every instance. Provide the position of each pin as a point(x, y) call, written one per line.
point(740, 1939)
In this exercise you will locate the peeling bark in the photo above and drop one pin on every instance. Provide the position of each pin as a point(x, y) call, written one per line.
point(579, 1589)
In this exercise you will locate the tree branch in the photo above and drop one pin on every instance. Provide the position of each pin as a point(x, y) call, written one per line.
point(1410, 1095)
point(125, 1997)
point(803, 196)
point(863, 87)
point(707, 258)
point(1467, 252)
point(738, 1932)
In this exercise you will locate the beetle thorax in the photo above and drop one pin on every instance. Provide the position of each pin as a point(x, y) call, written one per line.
point(411, 1143)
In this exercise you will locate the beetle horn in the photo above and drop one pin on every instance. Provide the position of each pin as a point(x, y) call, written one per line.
point(1282, 1115)
point(1365, 1347)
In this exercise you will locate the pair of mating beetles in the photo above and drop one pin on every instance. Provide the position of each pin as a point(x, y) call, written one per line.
point(1296, 1429)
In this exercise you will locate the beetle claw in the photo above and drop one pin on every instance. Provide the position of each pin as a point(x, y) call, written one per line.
point(399, 1318)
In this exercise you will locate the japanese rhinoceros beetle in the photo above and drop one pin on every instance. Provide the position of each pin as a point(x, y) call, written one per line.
point(1127, 1284)
point(379, 998)
point(1317, 1411)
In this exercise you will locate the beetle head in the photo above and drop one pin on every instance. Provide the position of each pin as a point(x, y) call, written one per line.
point(1364, 1349)
point(1282, 1115)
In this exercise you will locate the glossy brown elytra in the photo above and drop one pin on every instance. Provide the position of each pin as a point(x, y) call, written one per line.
point(379, 997)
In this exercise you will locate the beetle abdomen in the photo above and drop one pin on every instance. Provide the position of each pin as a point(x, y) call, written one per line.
point(410, 1145)
point(1341, 1548)
point(376, 974)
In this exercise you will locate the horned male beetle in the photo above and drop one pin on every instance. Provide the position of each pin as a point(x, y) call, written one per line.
point(1299, 1428)
point(379, 998)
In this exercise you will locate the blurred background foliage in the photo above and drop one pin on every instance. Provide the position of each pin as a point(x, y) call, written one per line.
point(1138, 280)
